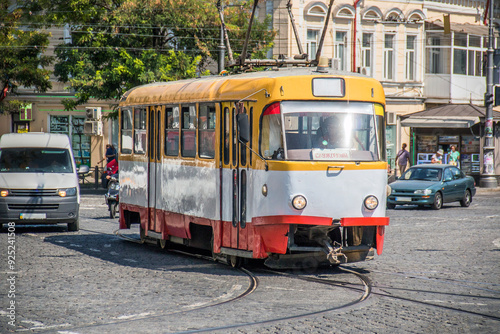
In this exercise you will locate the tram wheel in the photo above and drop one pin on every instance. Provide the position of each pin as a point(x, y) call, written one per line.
point(234, 261)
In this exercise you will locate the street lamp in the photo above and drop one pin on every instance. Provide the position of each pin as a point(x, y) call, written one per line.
point(488, 179)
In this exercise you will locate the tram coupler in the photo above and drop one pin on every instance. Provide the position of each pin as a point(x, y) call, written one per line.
point(333, 253)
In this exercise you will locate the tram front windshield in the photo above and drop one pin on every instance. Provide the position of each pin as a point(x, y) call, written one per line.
point(321, 130)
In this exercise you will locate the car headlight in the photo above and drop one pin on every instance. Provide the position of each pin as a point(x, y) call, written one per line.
point(299, 202)
point(67, 192)
point(371, 202)
point(4, 193)
point(423, 192)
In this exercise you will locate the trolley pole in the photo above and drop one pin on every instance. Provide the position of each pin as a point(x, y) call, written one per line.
point(488, 179)
point(222, 47)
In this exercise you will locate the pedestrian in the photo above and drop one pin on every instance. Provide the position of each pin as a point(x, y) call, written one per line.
point(438, 157)
point(454, 156)
point(110, 154)
point(402, 159)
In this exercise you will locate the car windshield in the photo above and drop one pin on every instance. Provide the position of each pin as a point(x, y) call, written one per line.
point(35, 160)
point(424, 174)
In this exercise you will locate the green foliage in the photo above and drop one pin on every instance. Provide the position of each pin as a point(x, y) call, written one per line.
point(118, 44)
point(21, 59)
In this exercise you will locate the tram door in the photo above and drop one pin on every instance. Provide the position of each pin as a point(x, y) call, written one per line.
point(234, 185)
point(154, 156)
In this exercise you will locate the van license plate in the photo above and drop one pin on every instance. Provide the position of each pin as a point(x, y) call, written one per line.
point(32, 216)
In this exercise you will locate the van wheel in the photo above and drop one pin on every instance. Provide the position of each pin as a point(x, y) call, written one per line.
point(74, 226)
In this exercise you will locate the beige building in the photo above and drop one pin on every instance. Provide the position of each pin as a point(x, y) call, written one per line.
point(403, 44)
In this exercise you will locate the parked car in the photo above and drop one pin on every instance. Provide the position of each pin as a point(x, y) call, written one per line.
point(432, 184)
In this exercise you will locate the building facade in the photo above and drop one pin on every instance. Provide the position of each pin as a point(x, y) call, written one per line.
point(426, 54)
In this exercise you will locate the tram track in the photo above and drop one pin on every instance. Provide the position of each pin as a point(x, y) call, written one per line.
point(253, 283)
point(364, 287)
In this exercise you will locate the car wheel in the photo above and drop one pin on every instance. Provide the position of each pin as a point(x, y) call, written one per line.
point(391, 206)
point(465, 202)
point(74, 226)
point(438, 201)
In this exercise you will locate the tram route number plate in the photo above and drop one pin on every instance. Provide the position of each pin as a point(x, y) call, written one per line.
point(32, 216)
point(403, 199)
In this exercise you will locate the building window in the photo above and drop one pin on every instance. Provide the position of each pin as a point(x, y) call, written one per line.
point(312, 42)
point(411, 64)
point(366, 53)
point(438, 49)
point(340, 49)
point(73, 127)
point(389, 56)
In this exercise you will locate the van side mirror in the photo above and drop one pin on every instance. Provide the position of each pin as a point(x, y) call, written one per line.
point(243, 127)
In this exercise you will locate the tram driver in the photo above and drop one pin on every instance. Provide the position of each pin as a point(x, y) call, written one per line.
point(330, 133)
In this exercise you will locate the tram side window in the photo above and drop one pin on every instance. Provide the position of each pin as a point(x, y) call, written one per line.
point(271, 144)
point(206, 131)
point(126, 131)
point(172, 131)
point(188, 131)
point(140, 115)
point(226, 135)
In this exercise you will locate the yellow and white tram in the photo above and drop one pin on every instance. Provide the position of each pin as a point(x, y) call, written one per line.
point(285, 165)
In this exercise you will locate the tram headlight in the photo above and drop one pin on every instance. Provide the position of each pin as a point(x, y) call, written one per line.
point(371, 202)
point(299, 202)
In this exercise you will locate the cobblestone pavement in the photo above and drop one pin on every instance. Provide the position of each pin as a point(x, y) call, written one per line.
point(439, 273)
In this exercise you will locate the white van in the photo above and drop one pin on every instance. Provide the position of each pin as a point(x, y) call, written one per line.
point(38, 180)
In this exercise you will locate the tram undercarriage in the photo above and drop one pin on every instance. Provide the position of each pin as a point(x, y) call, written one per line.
point(313, 246)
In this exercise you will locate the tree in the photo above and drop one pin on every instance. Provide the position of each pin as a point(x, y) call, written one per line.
point(22, 62)
point(119, 44)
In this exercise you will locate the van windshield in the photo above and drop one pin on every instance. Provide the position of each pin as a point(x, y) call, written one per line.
point(35, 160)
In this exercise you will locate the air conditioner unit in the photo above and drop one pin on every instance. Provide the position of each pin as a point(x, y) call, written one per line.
point(392, 118)
point(92, 128)
point(93, 113)
point(335, 64)
point(366, 71)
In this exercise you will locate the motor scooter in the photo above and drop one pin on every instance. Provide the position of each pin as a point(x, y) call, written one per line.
point(112, 196)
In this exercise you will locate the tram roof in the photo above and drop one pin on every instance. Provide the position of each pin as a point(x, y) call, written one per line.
point(230, 87)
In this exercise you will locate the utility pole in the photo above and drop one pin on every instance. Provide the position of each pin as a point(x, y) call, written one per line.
point(222, 47)
point(488, 179)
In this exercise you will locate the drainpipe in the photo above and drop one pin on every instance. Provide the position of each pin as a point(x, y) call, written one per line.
point(354, 35)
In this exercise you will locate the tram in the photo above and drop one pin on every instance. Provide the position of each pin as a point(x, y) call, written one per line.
point(285, 165)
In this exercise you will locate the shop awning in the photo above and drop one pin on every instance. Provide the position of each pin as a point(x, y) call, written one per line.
point(447, 116)
point(440, 122)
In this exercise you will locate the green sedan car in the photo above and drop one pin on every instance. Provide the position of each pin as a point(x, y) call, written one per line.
point(432, 184)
